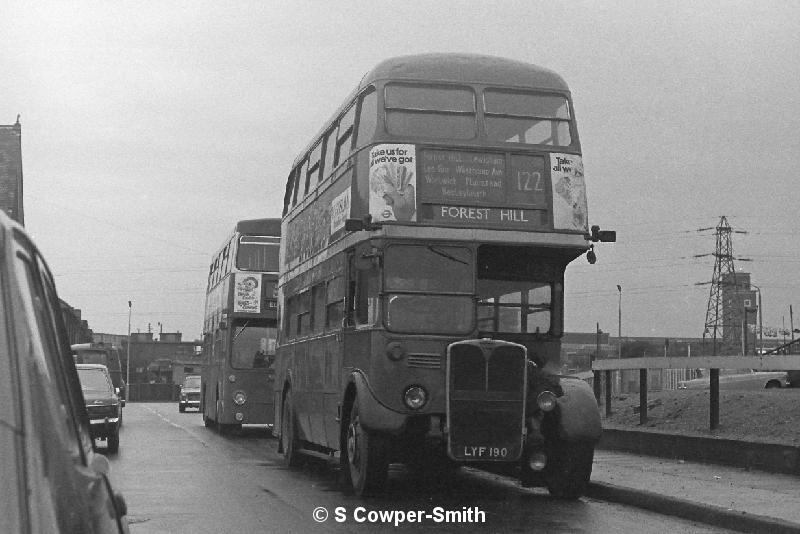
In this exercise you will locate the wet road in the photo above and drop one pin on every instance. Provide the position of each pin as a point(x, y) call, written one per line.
point(178, 476)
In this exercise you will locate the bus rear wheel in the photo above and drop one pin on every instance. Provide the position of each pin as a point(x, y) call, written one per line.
point(568, 469)
point(366, 462)
point(288, 440)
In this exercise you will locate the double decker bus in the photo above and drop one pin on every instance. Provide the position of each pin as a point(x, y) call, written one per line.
point(240, 326)
point(426, 231)
point(103, 354)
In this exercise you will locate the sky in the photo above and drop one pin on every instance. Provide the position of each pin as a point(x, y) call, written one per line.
point(149, 128)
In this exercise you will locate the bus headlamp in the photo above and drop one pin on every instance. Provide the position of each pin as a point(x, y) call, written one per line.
point(415, 397)
point(231, 378)
point(546, 401)
point(239, 398)
point(537, 461)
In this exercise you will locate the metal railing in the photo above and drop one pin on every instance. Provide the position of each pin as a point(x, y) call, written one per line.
point(606, 367)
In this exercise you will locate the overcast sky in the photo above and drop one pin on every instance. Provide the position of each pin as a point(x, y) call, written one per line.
point(149, 128)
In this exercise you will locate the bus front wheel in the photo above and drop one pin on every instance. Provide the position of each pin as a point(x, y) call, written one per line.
point(367, 459)
point(288, 441)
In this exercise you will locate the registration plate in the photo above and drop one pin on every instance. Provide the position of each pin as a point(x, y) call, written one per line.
point(484, 452)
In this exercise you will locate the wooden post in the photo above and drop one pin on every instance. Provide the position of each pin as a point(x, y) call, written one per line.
point(608, 393)
point(642, 396)
point(713, 380)
point(596, 381)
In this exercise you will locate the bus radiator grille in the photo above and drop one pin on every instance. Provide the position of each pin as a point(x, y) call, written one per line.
point(427, 361)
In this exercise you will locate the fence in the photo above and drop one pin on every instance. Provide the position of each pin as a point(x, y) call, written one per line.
point(714, 363)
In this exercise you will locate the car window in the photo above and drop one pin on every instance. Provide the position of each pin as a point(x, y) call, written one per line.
point(94, 380)
point(64, 360)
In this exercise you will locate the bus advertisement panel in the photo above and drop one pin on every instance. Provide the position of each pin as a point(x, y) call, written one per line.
point(240, 328)
point(426, 232)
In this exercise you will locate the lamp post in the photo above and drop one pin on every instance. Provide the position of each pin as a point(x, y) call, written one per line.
point(619, 321)
point(128, 364)
point(760, 320)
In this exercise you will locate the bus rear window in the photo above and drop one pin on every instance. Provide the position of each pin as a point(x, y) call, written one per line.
point(533, 119)
point(257, 254)
point(434, 112)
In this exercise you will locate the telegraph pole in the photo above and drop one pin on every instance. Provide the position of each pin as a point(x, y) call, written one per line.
point(128, 364)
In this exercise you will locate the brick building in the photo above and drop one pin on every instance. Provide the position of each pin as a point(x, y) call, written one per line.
point(11, 171)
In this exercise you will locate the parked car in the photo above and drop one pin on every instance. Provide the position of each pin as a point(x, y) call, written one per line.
point(53, 479)
point(190, 393)
point(102, 403)
point(741, 380)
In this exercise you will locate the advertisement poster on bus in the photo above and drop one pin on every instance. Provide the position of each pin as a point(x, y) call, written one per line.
point(248, 295)
point(569, 192)
point(392, 183)
point(340, 210)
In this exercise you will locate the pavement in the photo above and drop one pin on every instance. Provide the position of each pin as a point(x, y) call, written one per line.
point(742, 499)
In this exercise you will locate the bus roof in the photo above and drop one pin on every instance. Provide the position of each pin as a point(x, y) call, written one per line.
point(465, 68)
point(449, 67)
point(269, 227)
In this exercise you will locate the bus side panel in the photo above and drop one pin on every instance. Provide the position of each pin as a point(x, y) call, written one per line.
point(332, 350)
point(356, 353)
point(296, 357)
point(316, 370)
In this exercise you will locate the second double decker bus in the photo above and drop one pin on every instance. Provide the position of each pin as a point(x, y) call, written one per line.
point(426, 232)
point(240, 327)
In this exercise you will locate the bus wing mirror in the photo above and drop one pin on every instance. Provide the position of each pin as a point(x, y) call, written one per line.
point(607, 236)
point(604, 236)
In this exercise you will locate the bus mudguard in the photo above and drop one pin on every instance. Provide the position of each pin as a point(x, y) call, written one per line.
point(579, 416)
point(373, 414)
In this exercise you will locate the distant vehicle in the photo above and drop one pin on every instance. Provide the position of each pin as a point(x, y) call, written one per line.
point(53, 479)
point(240, 327)
point(753, 381)
point(190, 393)
point(102, 403)
point(103, 354)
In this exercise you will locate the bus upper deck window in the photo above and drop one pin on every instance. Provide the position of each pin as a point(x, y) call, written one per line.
point(367, 118)
point(434, 112)
point(534, 119)
point(344, 138)
point(257, 253)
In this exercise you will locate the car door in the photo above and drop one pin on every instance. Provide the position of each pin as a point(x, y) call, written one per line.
point(66, 480)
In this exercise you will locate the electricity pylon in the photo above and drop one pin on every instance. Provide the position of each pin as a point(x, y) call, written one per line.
point(724, 276)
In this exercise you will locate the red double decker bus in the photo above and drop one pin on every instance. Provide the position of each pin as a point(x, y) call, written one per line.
point(426, 231)
point(240, 327)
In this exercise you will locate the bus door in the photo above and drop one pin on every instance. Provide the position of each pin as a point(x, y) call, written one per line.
point(486, 388)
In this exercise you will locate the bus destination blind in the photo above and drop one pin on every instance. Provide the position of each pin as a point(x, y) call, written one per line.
point(483, 189)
